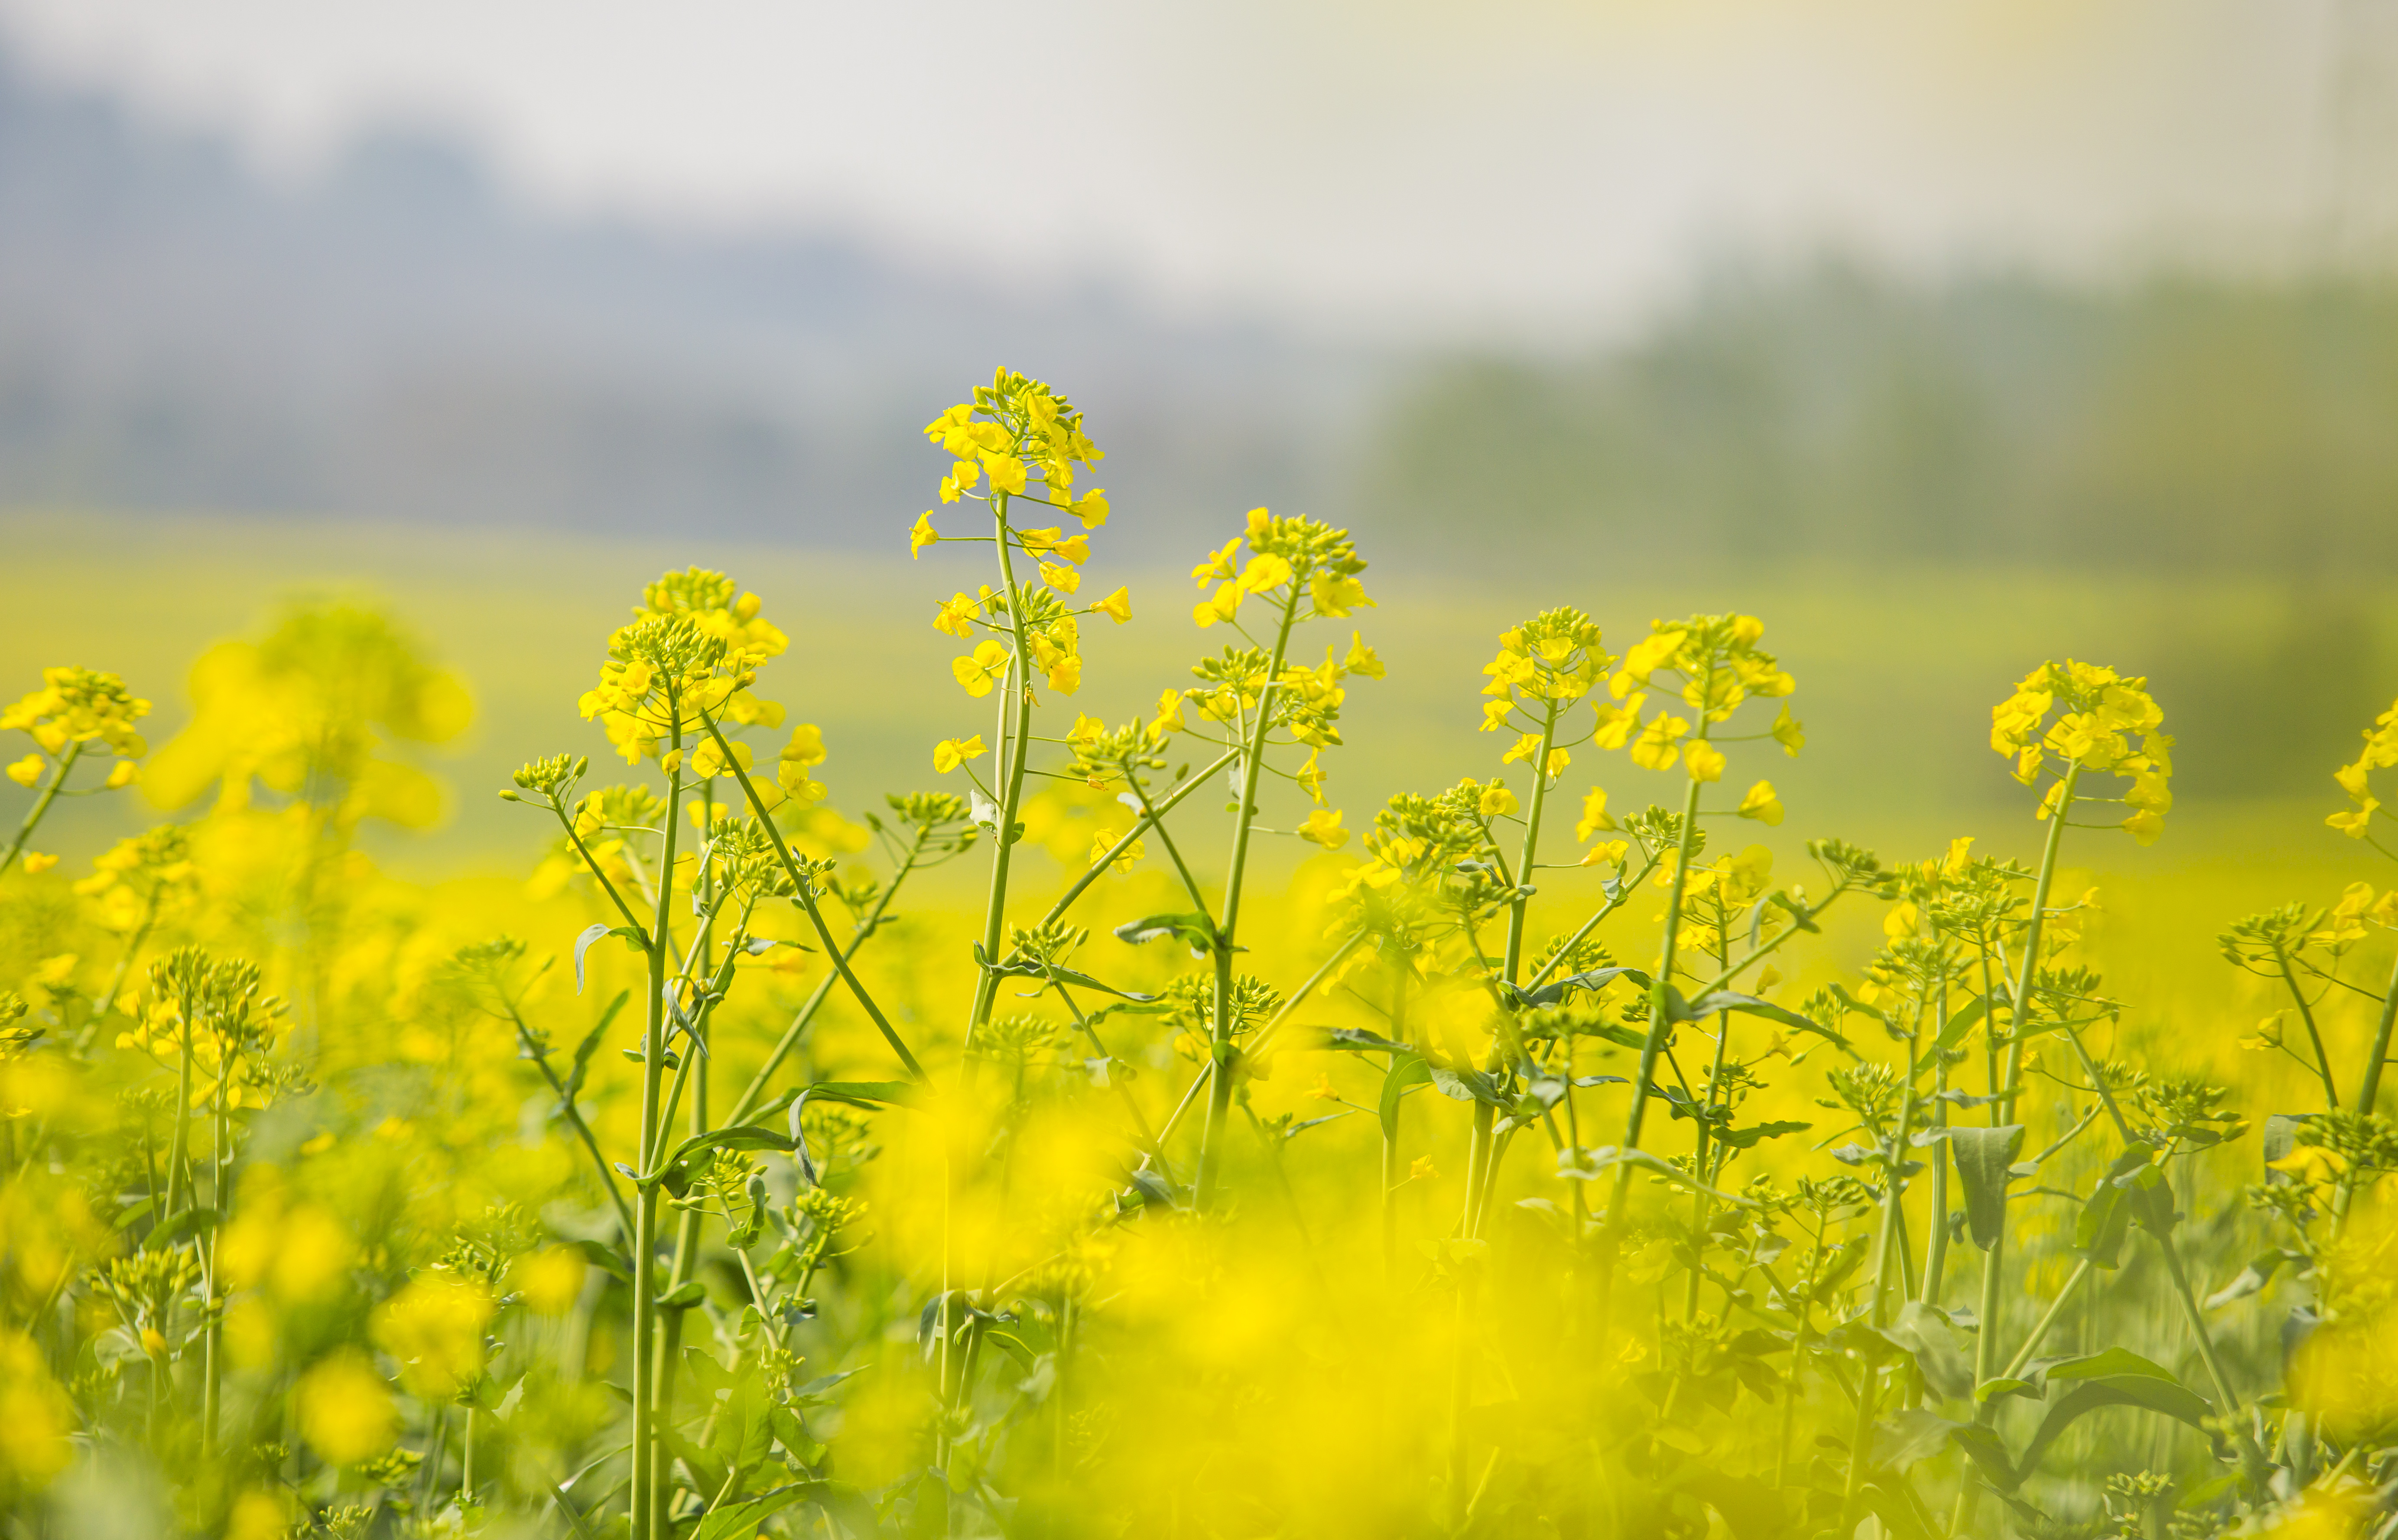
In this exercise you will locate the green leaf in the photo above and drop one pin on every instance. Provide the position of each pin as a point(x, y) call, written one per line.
point(605, 1259)
point(592, 933)
point(2143, 1388)
point(187, 1223)
point(1925, 1333)
point(1909, 1436)
point(1983, 1447)
point(683, 1297)
point(2256, 1276)
point(1464, 1086)
point(685, 1159)
point(2114, 1362)
point(1859, 1006)
point(1745, 1139)
point(2280, 1137)
point(1982, 1156)
point(2099, 1229)
point(1893, 1504)
point(1356, 1040)
point(869, 1094)
point(1707, 1005)
point(1752, 1509)
point(1553, 992)
point(1068, 976)
point(740, 1521)
point(590, 1045)
point(1197, 929)
point(1402, 1076)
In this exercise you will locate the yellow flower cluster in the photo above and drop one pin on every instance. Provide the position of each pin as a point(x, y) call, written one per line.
point(435, 1328)
point(1028, 433)
point(2101, 709)
point(1293, 556)
point(217, 1013)
point(77, 706)
point(1720, 667)
point(2381, 752)
point(137, 878)
point(1546, 664)
point(693, 647)
point(2343, 924)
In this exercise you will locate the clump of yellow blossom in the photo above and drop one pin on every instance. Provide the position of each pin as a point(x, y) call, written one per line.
point(344, 1409)
point(2097, 713)
point(692, 649)
point(2381, 752)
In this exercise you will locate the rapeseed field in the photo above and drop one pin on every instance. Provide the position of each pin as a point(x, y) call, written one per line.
point(1168, 1112)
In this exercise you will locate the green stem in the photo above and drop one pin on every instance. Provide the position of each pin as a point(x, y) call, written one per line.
point(2017, 1365)
point(807, 899)
point(1798, 1354)
point(1935, 1256)
point(1171, 800)
point(1481, 1155)
point(1149, 818)
point(41, 804)
point(864, 931)
point(2019, 1015)
point(573, 1115)
point(1015, 751)
point(1219, 1088)
point(1887, 1248)
point(2368, 1093)
point(2314, 1034)
point(1266, 1034)
point(179, 1148)
point(1391, 1133)
point(647, 1466)
point(2252, 1459)
point(1660, 1025)
point(1986, 1346)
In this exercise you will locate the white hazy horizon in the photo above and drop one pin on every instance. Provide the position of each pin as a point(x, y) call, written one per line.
point(1533, 169)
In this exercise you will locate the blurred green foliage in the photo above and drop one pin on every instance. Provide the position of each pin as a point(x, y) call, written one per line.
point(1834, 415)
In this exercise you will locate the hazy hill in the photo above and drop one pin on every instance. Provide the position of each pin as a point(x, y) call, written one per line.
point(402, 339)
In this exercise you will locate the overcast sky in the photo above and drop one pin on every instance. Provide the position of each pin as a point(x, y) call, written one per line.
point(1533, 164)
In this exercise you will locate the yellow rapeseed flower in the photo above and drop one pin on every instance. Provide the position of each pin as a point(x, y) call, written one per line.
point(1656, 749)
point(1323, 827)
point(1762, 804)
point(951, 752)
point(344, 1409)
point(1116, 607)
point(1224, 606)
point(956, 616)
point(981, 670)
point(550, 1280)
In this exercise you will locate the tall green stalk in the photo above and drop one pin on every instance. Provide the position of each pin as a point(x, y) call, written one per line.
point(1015, 752)
point(1661, 1024)
point(1993, 1302)
point(2367, 1093)
point(1935, 1254)
point(1219, 1084)
point(41, 805)
point(1482, 1157)
point(648, 1465)
point(1888, 1247)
